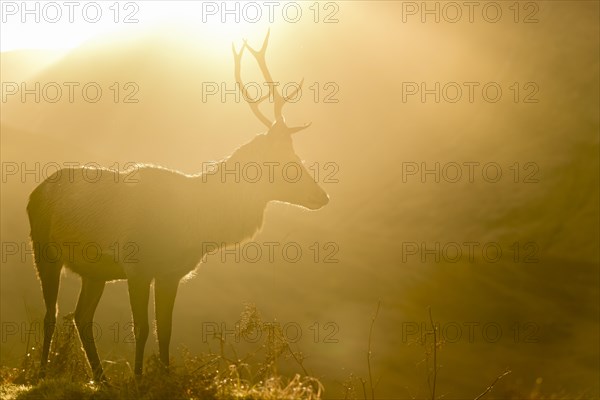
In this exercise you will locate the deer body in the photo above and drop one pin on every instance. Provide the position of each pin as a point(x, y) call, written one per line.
point(153, 226)
point(156, 225)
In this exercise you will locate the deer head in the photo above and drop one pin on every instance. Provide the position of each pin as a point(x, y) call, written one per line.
point(283, 176)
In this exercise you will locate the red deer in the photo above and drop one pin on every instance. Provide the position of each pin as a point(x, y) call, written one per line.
point(166, 214)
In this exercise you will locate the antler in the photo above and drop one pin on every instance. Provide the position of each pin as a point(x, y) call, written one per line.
point(237, 57)
point(278, 100)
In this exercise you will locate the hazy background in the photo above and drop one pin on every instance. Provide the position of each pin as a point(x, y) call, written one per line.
point(369, 133)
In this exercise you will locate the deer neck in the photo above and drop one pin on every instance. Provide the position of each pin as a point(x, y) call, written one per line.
point(236, 212)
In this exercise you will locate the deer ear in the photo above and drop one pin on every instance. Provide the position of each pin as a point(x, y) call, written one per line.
point(280, 128)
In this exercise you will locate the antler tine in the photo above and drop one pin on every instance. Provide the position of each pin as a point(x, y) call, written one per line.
point(259, 55)
point(295, 129)
point(294, 92)
point(237, 57)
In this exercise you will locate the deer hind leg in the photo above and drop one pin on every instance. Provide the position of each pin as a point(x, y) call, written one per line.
point(139, 291)
point(165, 290)
point(49, 274)
point(91, 291)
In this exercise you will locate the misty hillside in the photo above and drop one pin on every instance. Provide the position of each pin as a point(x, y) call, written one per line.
point(375, 209)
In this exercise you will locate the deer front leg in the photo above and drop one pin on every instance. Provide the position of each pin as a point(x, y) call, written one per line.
point(165, 290)
point(139, 291)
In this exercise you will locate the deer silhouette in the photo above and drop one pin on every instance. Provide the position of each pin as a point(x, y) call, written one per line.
point(166, 215)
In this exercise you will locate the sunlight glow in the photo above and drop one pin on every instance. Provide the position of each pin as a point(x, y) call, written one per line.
point(66, 25)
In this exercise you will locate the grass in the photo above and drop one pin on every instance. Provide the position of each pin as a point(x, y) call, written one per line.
point(358, 388)
point(216, 375)
point(205, 376)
